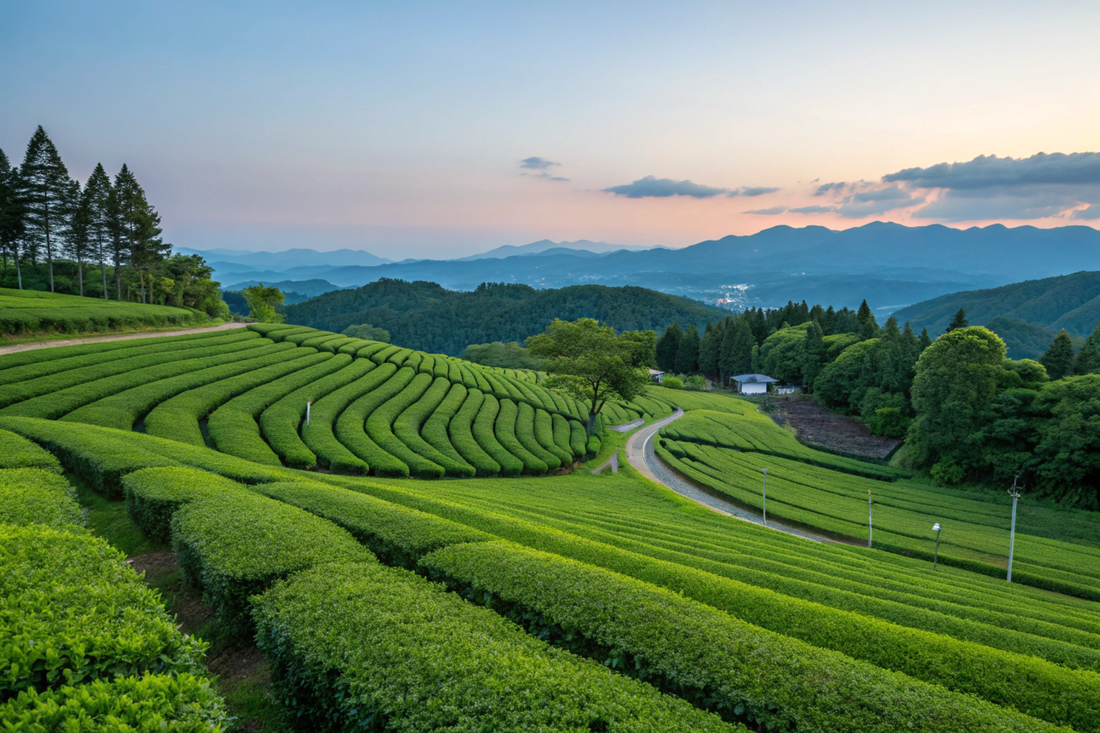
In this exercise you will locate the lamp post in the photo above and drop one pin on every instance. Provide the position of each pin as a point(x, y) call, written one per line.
point(1012, 532)
point(868, 519)
point(936, 528)
point(765, 497)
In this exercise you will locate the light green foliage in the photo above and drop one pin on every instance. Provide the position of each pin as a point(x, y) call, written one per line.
point(37, 496)
point(261, 303)
point(153, 495)
point(368, 332)
point(18, 452)
point(672, 383)
point(26, 312)
point(499, 354)
point(461, 668)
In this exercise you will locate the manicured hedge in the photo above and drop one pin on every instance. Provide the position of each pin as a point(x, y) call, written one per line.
point(48, 362)
point(554, 436)
point(233, 426)
point(45, 386)
point(717, 661)
point(153, 495)
point(326, 338)
point(299, 333)
point(578, 438)
point(462, 430)
point(37, 496)
point(266, 328)
point(279, 423)
point(362, 453)
point(234, 545)
point(30, 311)
point(505, 430)
point(593, 446)
point(396, 534)
point(183, 703)
point(73, 611)
point(332, 346)
point(435, 432)
point(177, 418)
point(123, 409)
point(527, 427)
point(484, 432)
point(408, 425)
point(380, 421)
point(18, 452)
point(415, 658)
point(371, 348)
point(320, 434)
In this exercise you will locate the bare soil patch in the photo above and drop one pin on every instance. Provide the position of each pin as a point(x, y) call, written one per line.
point(820, 426)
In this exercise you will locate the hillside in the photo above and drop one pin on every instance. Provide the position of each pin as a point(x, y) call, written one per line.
point(424, 315)
point(1071, 302)
point(28, 313)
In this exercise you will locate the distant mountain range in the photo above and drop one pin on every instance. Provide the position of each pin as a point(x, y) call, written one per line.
point(889, 265)
point(1025, 314)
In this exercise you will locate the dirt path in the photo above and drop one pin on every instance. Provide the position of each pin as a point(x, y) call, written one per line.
point(15, 348)
point(640, 455)
point(612, 462)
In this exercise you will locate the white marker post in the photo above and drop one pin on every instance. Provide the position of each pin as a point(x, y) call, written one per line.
point(765, 497)
point(868, 519)
point(308, 405)
point(1012, 532)
point(936, 528)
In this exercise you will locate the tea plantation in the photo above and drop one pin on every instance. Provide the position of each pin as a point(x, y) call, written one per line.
point(525, 594)
point(24, 313)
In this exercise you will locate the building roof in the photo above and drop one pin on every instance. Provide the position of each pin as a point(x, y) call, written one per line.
point(751, 378)
point(654, 372)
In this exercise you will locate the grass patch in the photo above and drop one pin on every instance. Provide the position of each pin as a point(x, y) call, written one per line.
point(110, 520)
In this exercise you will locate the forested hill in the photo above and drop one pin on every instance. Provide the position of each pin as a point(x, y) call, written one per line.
point(423, 315)
point(1071, 302)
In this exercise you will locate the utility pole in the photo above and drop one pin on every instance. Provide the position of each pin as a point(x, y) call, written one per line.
point(1015, 494)
point(868, 519)
point(765, 497)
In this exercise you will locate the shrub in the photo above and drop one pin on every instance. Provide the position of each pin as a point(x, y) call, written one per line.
point(695, 383)
point(18, 452)
point(74, 611)
point(153, 495)
point(505, 431)
point(578, 438)
point(409, 424)
point(685, 647)
point(416, 658)
point(182, 703)
point(396, 534)
point(37, 496)
point(235, 544)
point(672, 383)
point(593, 446)
point(528, 428)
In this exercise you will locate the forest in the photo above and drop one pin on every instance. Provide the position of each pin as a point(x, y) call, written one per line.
point(98, 239)
point(425, 316)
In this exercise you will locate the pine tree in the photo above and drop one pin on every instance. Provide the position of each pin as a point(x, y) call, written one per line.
point(1058, 358)
point(97, 191)
point(709, 350)
point(687, 356)
point(667, 346)
point(925, 339)
point(116, 229)
point(1088, 358)
point(958, 321)
point(865, 321)
point(45, 188)
point(77, 244)
point(11, 216)
point(140, 226)
point(737, 349)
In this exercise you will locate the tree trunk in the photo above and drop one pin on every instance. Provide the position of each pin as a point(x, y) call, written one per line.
point(592, 423)
point(103, 271)
point(141, 276)
point(18, 272)
point(80, 274)
point(118, 276)
point(49, 258)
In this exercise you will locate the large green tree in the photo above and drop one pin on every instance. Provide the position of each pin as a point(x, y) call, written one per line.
point(738, 343)
point(1088, 358)
point(687, 356)
point(97, 192)
point(667, 346)
point(1058, 359)
point(865, 321)
point(46, 194)
point(140, 226)
point(12, 220)
point(958, 321)
point(591, 363)
point(261, 303)
point(953, 394)
point(710, 347)
point(1068, 451)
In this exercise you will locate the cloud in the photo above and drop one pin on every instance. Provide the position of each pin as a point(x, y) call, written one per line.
point(877, 201)
point(1092, 212)
point(773, 211)
point(837, 187)
point(653, 187)
point(814, 210)
point(754, 190)
point(537, 164)
point(989, 171)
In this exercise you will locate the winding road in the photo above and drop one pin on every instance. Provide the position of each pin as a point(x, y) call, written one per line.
point(642, 457)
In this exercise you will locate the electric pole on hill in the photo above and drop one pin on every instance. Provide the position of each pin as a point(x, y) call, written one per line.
point(1015, 494)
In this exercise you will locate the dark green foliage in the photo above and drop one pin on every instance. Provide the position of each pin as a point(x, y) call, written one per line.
point(1088, 358)
point(735, 353)
point(687, 354)
point(1058, 359)
point(425, 316)
point(466, 668)
point(1024, 340)
point(368, 332)
point(510, 355)
point(957, 321)
point(667, 346)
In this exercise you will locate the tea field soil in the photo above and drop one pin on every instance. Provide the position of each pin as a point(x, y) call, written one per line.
point(640, 455)
point(14, 348)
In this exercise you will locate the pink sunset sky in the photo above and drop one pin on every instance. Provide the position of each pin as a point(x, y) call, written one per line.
point(440, 129)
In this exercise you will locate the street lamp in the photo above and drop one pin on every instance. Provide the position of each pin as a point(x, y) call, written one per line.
point(765, 497)
point(936, 528)
point(1012, 532)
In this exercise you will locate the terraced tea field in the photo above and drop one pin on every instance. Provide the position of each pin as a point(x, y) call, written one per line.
point(520, 595)
point(27, 312)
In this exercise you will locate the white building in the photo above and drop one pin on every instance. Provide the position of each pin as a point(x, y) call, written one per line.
point(751, 383)
point(656, 376)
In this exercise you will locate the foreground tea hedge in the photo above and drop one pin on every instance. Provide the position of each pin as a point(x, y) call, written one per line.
point(435, 662)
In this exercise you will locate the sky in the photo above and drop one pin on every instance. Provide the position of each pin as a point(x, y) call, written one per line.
point(414, 129)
